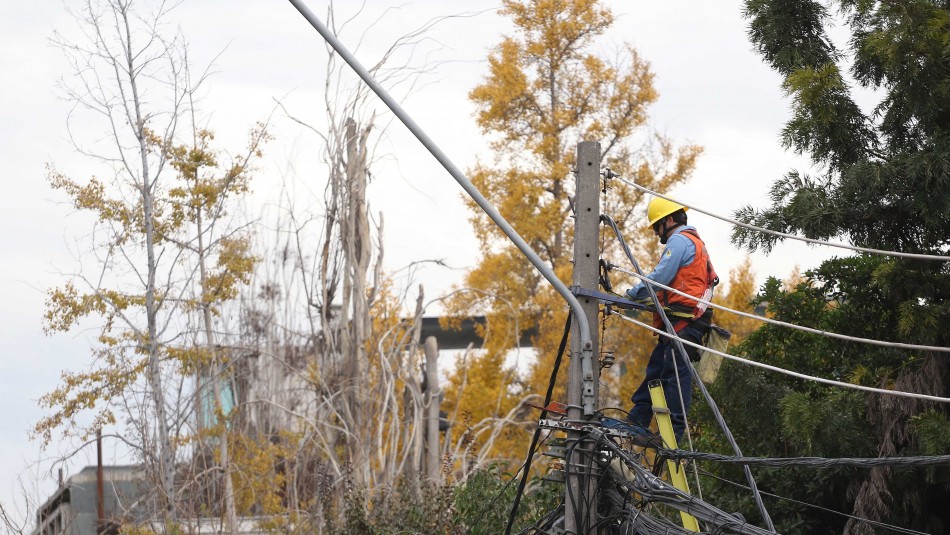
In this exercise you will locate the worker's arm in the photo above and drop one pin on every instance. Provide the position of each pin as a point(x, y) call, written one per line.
point(679, 252)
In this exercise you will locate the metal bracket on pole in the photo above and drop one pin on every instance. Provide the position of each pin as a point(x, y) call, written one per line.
point(589, 394)
point(610, 299)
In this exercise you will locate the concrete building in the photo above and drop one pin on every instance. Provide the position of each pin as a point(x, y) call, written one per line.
point(73, 508)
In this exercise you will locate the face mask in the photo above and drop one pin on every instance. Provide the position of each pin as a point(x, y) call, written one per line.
point(661, 232)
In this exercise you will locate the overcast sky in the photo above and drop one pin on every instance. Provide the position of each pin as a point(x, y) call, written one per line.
point(714, 91)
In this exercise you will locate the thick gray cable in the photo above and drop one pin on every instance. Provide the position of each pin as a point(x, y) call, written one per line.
point(917, 256)
point(581, 318)
point(820, 508)
point(791, 373)
point(689, 434)
point(651, 488)
point(682, 352)
point(764, 319)
point(814, 462)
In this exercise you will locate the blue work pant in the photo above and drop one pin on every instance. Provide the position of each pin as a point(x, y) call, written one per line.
point(661, 368)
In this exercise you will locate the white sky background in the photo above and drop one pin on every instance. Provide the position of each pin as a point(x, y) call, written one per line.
point(714, 91)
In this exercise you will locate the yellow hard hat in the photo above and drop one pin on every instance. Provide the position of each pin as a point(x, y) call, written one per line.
point(660, 208)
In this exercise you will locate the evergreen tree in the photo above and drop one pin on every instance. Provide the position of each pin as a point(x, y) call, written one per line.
point(884, 183)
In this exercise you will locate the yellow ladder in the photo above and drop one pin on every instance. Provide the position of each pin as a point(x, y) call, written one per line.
point(677, 472)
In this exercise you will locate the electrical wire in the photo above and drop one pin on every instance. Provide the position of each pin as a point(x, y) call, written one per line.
point(488, 507)
point(916, 256)
point(537, 430)
point(583, 515)
point(789, 372)
point(639, 481)
point(812, 462)
point(713, 407)
point(571, 499)
point(689, 435)
point(547, 520)
point(830, 334)
point(582, 480)
point(818, 507)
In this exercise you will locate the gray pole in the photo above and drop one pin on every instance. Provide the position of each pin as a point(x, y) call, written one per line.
point(100, 495)
point(433, 392)
point(579, 316)
point(581, 501)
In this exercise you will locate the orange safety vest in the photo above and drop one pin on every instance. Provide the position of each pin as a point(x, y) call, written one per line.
point(697, 279)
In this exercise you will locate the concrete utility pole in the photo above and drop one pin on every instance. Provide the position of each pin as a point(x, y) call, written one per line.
point(581, 487)
point(432, 395)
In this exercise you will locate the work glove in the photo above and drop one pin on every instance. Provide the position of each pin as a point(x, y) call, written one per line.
point(637, 295)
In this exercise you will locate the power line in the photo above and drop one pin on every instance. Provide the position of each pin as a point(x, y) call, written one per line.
point(679, 341)
point(917, 256)
point(813, 462)
point(537, 430)
point(689, 435)
point(717, 414)
point(818, 507)
point(635, 479)
point(789, 372)
point(583, 329)
point(830, 334)
point(499, 494)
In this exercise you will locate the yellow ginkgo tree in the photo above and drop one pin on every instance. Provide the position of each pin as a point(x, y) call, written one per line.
point(546, 90)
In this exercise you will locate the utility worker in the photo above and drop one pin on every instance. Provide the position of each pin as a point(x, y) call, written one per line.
point(685, 266)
